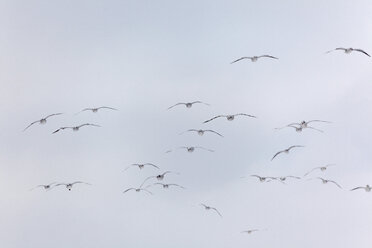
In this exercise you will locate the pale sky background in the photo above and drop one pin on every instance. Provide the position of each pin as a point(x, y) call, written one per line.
point(143, 56)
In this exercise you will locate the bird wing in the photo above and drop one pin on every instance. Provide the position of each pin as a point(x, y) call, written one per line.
point(146, 191)
point(311, 171)
point(180, 103)
point(291, 147)
point(52, 115)
point(173, 184)
point(209, 150)
point(190, 130)
point(268, 56)
point(146, 180)
point(215, 209)
point(357, 188)
point(276, 154)
point(315, 129)
point(152, 165)
point(200, 102)
point(360, 50)
point(89, 124)
point(80, 182)
point(240, 59)
point(105, 107)
point(318, 121)
point(208, 130)
point(246, 115)
point(61, 128)
point(125, 191)
point(335, 183)
point(218, 116)
point(30, 125)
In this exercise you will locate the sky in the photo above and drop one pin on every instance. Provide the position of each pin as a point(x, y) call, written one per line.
point(142, 57)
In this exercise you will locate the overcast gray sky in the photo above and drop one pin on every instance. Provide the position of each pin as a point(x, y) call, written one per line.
point(143, 56)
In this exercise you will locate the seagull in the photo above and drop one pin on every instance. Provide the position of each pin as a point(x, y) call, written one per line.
point(254, 58)
point(45, 186)
point(229, 117)
point(285, 178)
point(42, 121)
point(304, 124)
point(166, 186)
point(188, 104)
point(321, 168)
point(285, 151)
point(202, 131)
point(159, 177)
point(141, 166)
point(209, 208)
point(349, 50)
point(325, 181)
point(299, 128)
point(192, 148)
point(137, 190)
point(69, 185)
point(76, 128)
point(95, 110)
point(250, 231)
point(263, 179)
point(367, 188)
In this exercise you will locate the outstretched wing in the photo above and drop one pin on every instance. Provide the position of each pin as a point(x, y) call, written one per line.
point(201, 103)
point(360, 50)
point(208, 130)
point(125, 191)
point(240, 59)
point(180, 103)
point(276, 154)
point(252, 116)
point(218, 116)
point(105, 107)
point(52, 115)
point(268, 56)
point(215, 209)
point(209, 150)
point(30, 125)
point(357, 188)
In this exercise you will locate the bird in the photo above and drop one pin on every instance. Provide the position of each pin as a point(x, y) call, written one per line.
point(42, 121)
point(349, 50)
point(192, 148)
point(188, 104)
point(69, 185)
point(137, 190)
point(141, 166)
point(325, 181)
point(76, 128)
point(285, 151)
point(263, 179)
point(45, 186)
point(211, 208)
point(166, 186)
point(367, 188)
point(285, 178)
point(299, 128)
point(321, 168)
point(304, 124)
point(202, 131)
point(250, 231)
point(254, 58)
point(159, 177)
point(95, 110)
point(229, 117)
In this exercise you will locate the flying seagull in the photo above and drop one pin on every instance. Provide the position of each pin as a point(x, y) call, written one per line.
point(41, 121)
point(192, 148)
point(285, 151)
point(69, 185)
point(137, 190)
point(159, 177)
point(250, 231)
point(321, 168)
point(141, 166)
point(254, 58)
point(349, 50)
point(285, 178)
point(211, 208)
point(188, 104)
point(304, 124)
point(367, 188)
point(325, 181)
point(166, 186)
point(299, 128)
point(202, 131)
point(76, 128)
point(95, 110)
point(45, 186)
point(263, 179)
point(229, 117)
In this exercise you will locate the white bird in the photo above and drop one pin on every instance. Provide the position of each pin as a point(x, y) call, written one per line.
point(299, 128)
point(202, 131)
point(42, 121)
point(229, 117)
point(325, 181)
point(45, 186)
point(283, 179)
point(367, 188)
point(304, 124)
point(192, 148)
point(250, 231)
point(95, 110)
point(137, 190)
point(159, 177)
point(254, 58)
point(286, 151)
point(263, 179)
point(188, 104)
point(211, 208)
point(141, 166)
point(69, 185)
point(76, 128)
point(349, 50)
point(321, 168)
point(166, 186)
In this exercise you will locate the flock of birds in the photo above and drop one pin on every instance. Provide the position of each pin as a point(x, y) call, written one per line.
point(158, 180)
